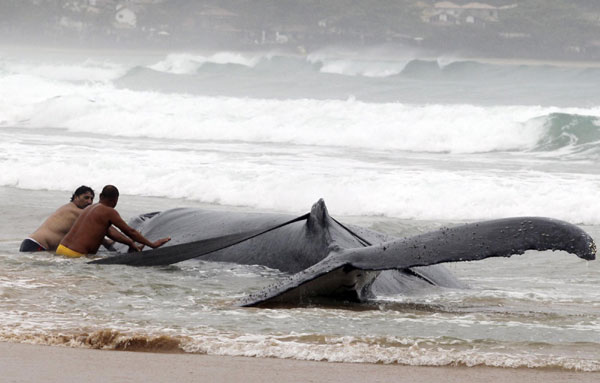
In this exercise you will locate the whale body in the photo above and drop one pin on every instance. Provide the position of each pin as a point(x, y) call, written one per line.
point(327, 259)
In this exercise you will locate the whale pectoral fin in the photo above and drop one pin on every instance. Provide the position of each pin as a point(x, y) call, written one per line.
point(168, 255)
point(475, 241)
point(331, 277)
point(498, 238)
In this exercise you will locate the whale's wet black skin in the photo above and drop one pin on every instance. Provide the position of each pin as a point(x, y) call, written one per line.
point(329, 259)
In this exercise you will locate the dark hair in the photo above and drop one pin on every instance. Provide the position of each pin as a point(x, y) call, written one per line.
point(109, 192)
point(82, 190)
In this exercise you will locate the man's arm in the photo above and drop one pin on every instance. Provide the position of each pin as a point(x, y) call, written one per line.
point(117, 236)
point(108, 244)
point(134, 234)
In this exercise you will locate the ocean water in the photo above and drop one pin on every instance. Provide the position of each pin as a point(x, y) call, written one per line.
point(392, 141)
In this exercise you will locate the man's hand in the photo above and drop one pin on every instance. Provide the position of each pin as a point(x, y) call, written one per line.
point(133, 248)
point(160, 242)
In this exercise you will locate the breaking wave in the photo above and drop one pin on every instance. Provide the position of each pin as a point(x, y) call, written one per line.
point(346, 349)
point(404, 65)
point(29, 102)
point(563, 130)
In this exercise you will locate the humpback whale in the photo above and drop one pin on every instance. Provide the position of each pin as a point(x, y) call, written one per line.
point(328, 259)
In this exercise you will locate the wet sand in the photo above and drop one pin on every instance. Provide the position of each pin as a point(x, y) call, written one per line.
point(35, 363)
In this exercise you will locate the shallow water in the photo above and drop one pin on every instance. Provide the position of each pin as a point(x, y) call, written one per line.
point(535, 310)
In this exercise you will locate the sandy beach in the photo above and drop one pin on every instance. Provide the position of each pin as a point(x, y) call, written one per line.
point(33, 363)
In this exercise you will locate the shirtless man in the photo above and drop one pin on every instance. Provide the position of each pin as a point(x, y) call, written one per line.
point(51, 232)
point(95, 222)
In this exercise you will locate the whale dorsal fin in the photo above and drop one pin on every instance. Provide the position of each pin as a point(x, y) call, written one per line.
point(319, 218)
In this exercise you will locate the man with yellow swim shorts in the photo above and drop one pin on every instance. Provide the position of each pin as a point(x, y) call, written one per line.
point(63, 250)
point(95, 222)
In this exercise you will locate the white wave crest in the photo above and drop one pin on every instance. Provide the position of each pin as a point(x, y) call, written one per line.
point(367, 69)
point(186, 63)
point(353, 124)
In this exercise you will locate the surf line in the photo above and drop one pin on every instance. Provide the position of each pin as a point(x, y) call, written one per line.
point(177, 253)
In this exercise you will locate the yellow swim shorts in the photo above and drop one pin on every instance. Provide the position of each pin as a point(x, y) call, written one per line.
point(63, 250)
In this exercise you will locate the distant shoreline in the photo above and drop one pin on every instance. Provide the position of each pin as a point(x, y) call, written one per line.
point(534, 62)
point(153, 51)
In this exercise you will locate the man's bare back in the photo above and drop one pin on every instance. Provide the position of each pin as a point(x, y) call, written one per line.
point(55, 227)
point(95, 222)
